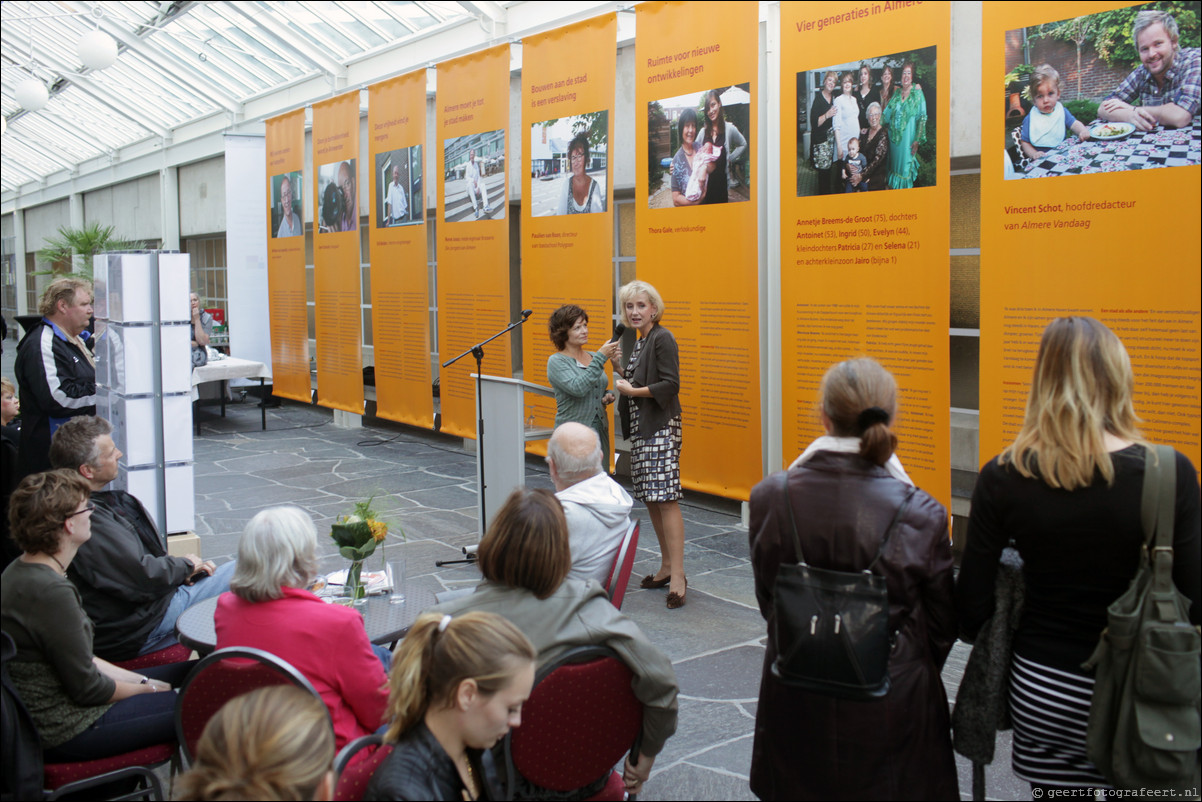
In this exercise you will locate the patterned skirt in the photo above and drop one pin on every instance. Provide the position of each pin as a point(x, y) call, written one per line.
point(655, 461)
point(1050, 710)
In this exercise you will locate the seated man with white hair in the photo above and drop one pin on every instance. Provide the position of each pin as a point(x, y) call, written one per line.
point(596, 507)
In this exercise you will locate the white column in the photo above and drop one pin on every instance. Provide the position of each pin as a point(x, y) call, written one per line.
point(169, 201)
point(22, 284)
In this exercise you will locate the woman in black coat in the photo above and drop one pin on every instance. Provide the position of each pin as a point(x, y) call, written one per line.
point(845, 490)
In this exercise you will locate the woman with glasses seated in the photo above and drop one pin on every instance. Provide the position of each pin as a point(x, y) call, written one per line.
point(83, 707)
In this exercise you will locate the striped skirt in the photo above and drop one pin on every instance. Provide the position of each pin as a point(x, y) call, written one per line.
point(1050, 710)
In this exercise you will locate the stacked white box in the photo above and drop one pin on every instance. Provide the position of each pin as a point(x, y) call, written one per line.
point(144, 378)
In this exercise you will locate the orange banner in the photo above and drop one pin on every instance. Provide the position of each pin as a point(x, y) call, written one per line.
point(336, 253)
point(865, 215)
point(286, 256)
point(696, 101)
point(1063, 215)
point(400, 285)
point(472, 122)
point(567, 187)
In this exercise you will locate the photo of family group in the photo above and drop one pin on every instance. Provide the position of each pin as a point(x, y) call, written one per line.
point(698, 148)
point(865, 126)
point(569, 159)
point(337, 197)
point(1103, 93)
point(399, 199)
point(474, 177)
point(286, 218)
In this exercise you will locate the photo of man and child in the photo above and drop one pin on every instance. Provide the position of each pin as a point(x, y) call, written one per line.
point(1107, 92)
point(868, 125)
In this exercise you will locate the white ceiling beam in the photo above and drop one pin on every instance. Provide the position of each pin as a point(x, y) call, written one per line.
point(197, 83)
point(284, 38)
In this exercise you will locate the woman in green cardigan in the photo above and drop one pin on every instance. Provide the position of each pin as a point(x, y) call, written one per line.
point(578, 376)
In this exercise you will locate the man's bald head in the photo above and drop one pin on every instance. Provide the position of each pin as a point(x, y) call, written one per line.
point(574, 454)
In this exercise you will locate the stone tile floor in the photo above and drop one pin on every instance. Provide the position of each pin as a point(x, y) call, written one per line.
point(425, 484)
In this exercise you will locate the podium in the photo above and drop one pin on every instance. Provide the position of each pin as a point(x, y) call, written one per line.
point(501, 463)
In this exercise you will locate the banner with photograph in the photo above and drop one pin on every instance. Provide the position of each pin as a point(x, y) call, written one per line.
point(567, 217)
point(1096, 148)
point(865, 215)
point(337, 303)
point(286, 256)
point(696, 101)
point(400, 284)
point(471, 125)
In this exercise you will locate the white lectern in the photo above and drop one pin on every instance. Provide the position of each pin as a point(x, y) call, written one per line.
point(502, 465)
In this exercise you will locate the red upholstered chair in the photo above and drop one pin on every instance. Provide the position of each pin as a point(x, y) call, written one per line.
point(221, 676)
point(350, 779)
point(175, 653)
point(62, 779)
point(581, 720)
point(24, 768)
point(619, 573)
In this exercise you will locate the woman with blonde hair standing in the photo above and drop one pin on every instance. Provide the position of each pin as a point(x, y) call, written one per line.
point(847, 504)
point(650, 410)
point(1067, 493)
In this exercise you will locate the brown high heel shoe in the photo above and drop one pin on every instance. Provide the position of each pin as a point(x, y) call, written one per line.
point(651, 583)
point(676, 600)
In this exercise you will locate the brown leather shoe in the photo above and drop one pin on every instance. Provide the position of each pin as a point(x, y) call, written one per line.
point(651, 583)
point(676, 600)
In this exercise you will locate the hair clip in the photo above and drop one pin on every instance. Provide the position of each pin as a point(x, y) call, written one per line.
point(443, 624)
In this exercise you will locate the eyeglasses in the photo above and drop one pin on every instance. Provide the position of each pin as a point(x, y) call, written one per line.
point(87, 508)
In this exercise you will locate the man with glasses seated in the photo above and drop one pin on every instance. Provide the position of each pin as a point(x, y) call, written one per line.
point(132, 590)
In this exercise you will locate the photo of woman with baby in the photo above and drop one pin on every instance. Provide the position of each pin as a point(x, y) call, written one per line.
point(698, 151)
point(1103, 93)
point(867, 126)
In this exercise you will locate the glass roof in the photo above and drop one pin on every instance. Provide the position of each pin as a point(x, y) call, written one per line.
point(179, 61)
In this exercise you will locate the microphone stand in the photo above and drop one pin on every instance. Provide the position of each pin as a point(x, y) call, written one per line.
point(477, 351)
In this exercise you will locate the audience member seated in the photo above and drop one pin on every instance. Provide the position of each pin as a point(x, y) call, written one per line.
point(458, 685)
point(132, 589)
point(596, 507)
point(270, 609)
point(272, 743)
point(525, 559)
point(83, 707)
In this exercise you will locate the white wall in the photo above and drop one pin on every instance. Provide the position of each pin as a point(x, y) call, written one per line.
point(133, 207)
point(966, 79)
point(44, 221)
point(202, 197)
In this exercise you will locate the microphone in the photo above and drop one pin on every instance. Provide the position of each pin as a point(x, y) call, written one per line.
point(619, 330)
point(527, 313)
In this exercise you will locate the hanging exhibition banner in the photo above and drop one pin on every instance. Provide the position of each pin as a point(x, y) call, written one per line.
point(865, 215)
point(471, 125)
point(400, 286)
point(336, 253)
point(286, 256)
point(696, 231)
point(1079, 214)
point(567, 216)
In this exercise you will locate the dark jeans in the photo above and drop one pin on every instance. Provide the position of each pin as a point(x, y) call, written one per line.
point(134, 723)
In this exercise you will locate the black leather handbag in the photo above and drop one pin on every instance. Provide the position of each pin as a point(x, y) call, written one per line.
point(832, 627)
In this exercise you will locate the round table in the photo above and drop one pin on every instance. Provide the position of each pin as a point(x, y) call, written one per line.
point(386, 623)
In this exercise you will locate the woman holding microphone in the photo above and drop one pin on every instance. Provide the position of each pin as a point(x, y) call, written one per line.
point(581, 386)
point(650, 409)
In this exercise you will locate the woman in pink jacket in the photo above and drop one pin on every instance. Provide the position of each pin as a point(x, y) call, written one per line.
point(268, 608)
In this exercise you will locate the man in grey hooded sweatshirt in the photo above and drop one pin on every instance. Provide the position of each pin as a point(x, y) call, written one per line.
point(596, 507)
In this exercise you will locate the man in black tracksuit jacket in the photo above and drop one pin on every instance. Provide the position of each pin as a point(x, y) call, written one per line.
point(55, 371)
